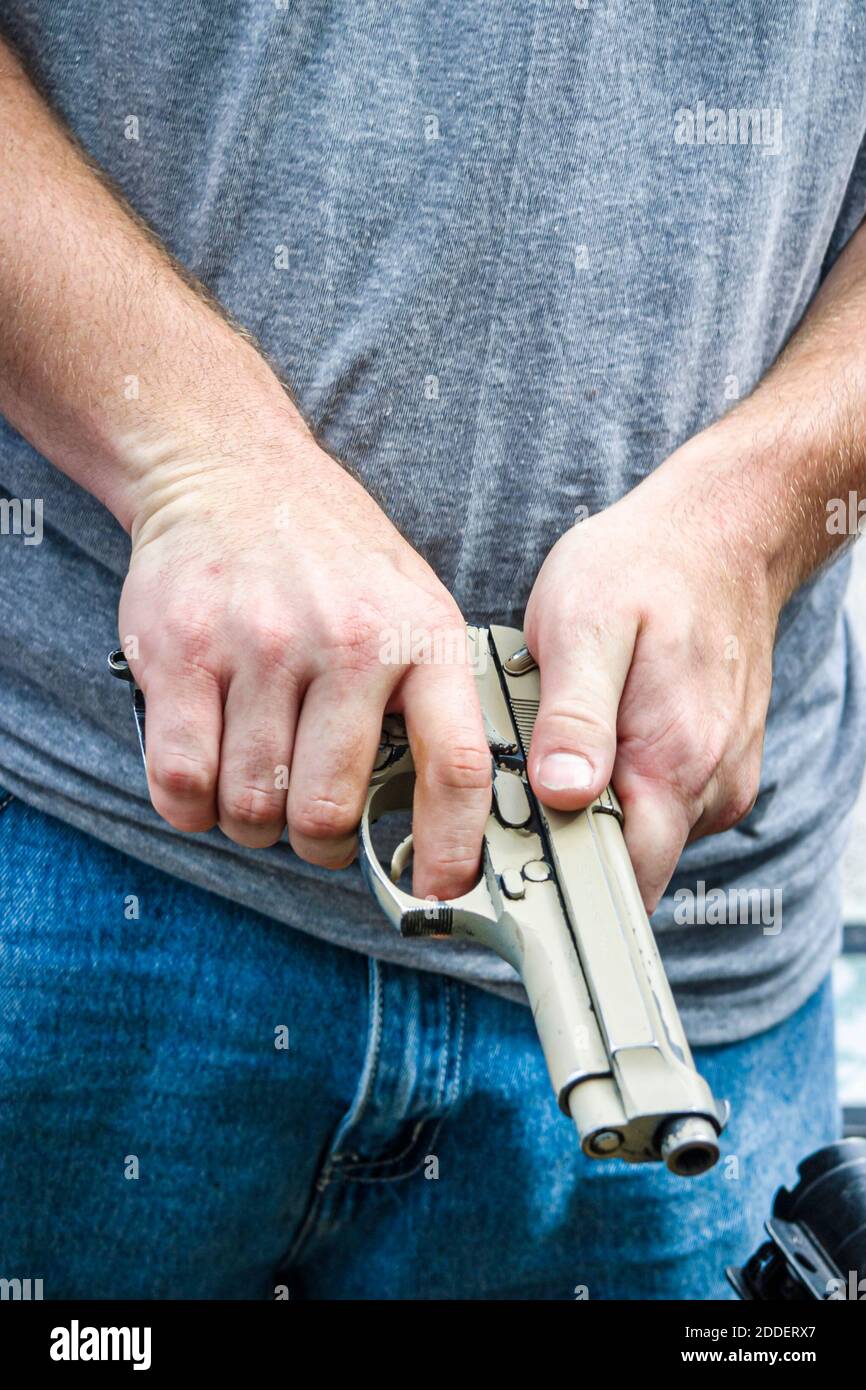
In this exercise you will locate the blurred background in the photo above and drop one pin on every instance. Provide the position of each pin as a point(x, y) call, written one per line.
point(850, 969)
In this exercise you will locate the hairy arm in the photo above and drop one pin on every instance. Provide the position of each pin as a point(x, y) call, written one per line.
point(89, 298)
point(797, 445)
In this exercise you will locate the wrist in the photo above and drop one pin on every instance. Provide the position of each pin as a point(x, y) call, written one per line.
point(195, 472)
point(731, 487)
point(230, 424)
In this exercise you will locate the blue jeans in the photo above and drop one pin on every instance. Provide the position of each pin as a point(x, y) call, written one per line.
point(196, 1102)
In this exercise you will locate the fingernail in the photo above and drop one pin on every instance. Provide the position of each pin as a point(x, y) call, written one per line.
point(565, 772)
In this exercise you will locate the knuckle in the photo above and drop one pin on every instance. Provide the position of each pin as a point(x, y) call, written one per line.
point(459, 859)
point(356, 635)
point(565, 716)
point(178, 776)
point(459, 767)
point(323, 819)
point(273, 642)
point(737, 804)
point(192, 638)
point(252, 806)
point(442, 616)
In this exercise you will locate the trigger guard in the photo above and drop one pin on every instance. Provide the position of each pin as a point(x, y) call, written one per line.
point(466, 915)
point(393, 793)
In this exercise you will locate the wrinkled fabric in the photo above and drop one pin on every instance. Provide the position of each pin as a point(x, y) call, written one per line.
point(503, 286)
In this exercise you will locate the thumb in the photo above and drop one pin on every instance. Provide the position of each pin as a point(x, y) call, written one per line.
point(574, 741)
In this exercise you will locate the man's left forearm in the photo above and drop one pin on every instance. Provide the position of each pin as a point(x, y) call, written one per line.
point(795, 450)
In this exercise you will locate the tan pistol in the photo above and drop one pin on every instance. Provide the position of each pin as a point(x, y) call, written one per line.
point(558, 900)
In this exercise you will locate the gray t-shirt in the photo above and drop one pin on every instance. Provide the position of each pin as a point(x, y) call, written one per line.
point(509, 257)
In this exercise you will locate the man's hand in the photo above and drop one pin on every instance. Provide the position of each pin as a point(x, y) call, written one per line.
point(261, 601)
point(653, 626)
point(265, 582)
point(654, 621)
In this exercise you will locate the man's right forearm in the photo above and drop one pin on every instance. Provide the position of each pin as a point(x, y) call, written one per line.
point(111, 358)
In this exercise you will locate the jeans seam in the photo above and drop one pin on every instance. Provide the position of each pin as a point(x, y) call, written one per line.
point(327, 1171)
point(355, 1172)
point(410, 1172)
point(348, 1170)
point(371, 1067)
point(461, 1036)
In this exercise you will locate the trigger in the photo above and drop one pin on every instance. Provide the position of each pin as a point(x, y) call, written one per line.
point(400, 858)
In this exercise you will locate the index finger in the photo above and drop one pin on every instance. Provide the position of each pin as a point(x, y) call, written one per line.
point(453, 785)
